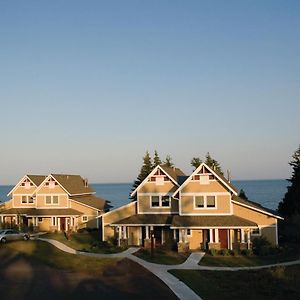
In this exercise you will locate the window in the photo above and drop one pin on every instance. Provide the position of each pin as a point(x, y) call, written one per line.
point(189, 232)
point(40, 220)
point(204, 201)
point(160, 201)
point(55, 199)
point(155, 201)
point(211, 201)
point(165, 201)
point(27, 199)
point(85, 218)
point(31, 199)
point(199, 201)
point(51, 199)
point(24, 199)
point(255, 231)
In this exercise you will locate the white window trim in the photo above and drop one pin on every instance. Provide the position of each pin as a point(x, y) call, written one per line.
point(160, 201)
point(27, 199)
point(84, 217)
point(205, 202)
point(256, 234)
point(52, 203)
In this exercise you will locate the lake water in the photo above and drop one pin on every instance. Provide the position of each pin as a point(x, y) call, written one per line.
point(266, 192)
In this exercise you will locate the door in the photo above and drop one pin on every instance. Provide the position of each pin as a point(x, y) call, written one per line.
point(157, 235)
point(62, 224)
point(223, 237)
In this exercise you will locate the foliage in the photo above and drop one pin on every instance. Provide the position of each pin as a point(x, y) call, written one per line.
point(225, 252)
point(212, 163)
point(144, 172)
point(290, 205)
point(247, 252)
point(196, 162)
point(168, 161)
point(213, 252)
point(242, 195)
point(261, 246)
point(156, 159)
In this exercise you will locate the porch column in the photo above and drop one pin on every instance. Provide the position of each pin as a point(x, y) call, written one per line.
point(242, 235)
point(211, 236)
point(216, 235)
point(141, 236)
point(180, 235)
point(36, 221)
point(174, 234)
point(66, 224)
point(125, 232)
point(58, 224)
point(231, 232)
point(185, 236)
point(248, 238)
point(162, 235)
point(119, 235)
point(147, 232)
point(1, 219)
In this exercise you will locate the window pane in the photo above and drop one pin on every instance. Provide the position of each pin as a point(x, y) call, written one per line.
point(24, 199)
point(155, 201)
point(55, 199)
point(211, 201)
point(165, 201)
point(199, 201)
point(48, 199)
point(30, 200)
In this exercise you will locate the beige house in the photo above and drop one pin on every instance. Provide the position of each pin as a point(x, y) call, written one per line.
point(54, 202)
point(200, 211)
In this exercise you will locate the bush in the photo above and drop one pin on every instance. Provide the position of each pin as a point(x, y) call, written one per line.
point(261, 246)
point(213, 252)
point(236, 252)
point(225, 252)
point(247, 252)
point(278, 272)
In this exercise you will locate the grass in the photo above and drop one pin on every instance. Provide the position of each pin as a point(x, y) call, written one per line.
point(85, 241)
point(162, 256)
point(54, 257)
point(287, 253)
point(274, 283)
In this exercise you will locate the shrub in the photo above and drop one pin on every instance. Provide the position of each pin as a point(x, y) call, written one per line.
point(213, 252)
point(225, 252)
point(236, 252)
point(247, 252)
point(278, 272)
point(261, 246)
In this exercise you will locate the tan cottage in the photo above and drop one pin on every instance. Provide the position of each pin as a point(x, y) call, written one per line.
point(202, 211)
point(54, 202)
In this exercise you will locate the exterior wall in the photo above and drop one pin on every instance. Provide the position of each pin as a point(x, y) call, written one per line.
point(212, 187)
point(21, 190)
point(196, 239)
point(45, 225)
point(144, 206)
point(252, 215)
point(119, 213)
point(134, 236)
point(114, 216)
point(63, 201)
point(270, 234)
point(17, 202)
point(152, 187)
point(223, 205)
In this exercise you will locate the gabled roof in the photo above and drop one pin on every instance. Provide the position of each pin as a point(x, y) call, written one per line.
point(255, 206)
point(42, 212)
point(35, 179)
point(173, 173)
point(218, 175)
point(92, 201)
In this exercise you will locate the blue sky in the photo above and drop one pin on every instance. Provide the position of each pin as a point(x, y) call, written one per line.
point(88, 86)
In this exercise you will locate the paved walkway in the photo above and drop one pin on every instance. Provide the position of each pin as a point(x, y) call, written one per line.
point(181, 290)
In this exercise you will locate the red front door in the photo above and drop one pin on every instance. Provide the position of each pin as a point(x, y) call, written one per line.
point(223, 237)
point(63, 224)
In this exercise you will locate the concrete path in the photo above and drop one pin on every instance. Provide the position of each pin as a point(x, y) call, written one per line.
point(181, 290)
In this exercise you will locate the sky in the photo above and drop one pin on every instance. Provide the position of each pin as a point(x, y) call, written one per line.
point(87, 87)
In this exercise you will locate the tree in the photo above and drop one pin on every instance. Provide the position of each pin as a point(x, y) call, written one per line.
point(196, 162)
point(242, 195)
point(290, 205)
point(168, 161)
point(144, 172)
point(156, 159)
point(212, 163)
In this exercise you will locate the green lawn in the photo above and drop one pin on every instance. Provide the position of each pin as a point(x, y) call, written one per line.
point(50, 255)
point(275, 283)
point(161, 256)
point(85, 241)
point(287, 253)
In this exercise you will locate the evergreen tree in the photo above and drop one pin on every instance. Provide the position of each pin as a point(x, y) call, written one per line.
point(242, 195)
point(196, 162)
point(156, 159)
point(144, 172)
point(212, 163)
point(290, 205)
point(168, 161)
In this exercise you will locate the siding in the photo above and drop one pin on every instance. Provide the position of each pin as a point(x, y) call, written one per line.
point(144, 206)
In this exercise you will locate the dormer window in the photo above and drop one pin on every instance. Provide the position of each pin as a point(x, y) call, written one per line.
point(27, 184)
point(51, 183)
point(159, 177)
